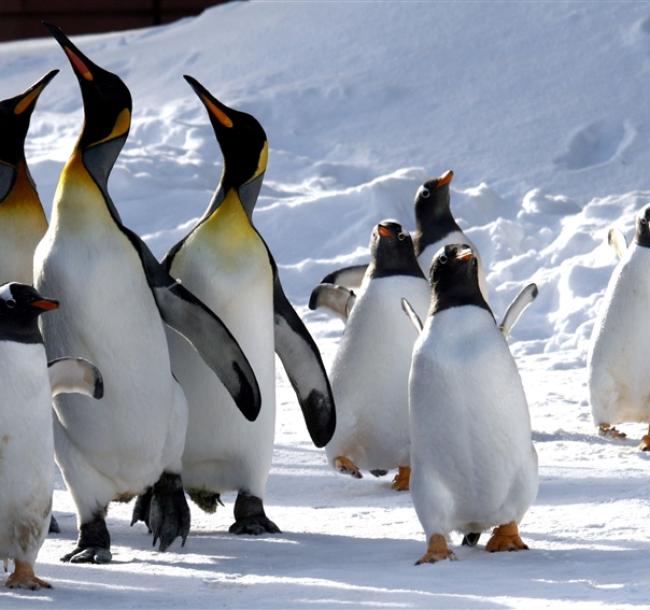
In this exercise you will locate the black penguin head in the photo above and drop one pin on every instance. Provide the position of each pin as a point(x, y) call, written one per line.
point(642, 236)
point(454, 278)
point(433, 218)
point(20, 306)
point(15, 114)
point(107, 100)
point(391, 250)
point(241, 138)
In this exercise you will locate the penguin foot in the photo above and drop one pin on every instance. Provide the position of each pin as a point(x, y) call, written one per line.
point(250, 517)
point(23, 577)
point(471, 539)
point(54, 526)
point(611, 432)
point(346, 466)
point(94, 543)
point(206, 500)
point(169, 515)
point(645, 443)
point(142, 508)
point(402, 479)
point(378, 473)
point(437, 550)
point(505, 538)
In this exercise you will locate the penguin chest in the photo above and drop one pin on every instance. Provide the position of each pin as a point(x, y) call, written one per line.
point(617, 363)
point(26, 449)
point(470, 427)
point(234, 278)
point(370, 374)
point(108, 315)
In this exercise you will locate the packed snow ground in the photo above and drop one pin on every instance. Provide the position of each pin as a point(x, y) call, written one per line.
point(541, 110)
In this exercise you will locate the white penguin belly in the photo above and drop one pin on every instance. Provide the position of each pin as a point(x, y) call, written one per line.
point(456, 237)
point(223, 450)
point(26, 450)
point(369, 376)
point(108, 315)
point(618, 365)
point(474, 465)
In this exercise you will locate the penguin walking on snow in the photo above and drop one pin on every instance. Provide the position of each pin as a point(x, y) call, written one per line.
point(618, 368)
point(226, 263)
point(370, 372)
point(473, 462)
point(22, 219)
point(435, 226)
point(26, 438)
point(117, 297)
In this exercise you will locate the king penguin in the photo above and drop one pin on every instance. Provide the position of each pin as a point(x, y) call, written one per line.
point(22, 219)
point(117, 298)
point(619, 389)
point(225, 262)
point(472, 457)
point(370, 372)
point(435, 226)
point(26, 437)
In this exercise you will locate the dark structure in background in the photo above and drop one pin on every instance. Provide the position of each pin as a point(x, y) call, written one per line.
point(22, 18)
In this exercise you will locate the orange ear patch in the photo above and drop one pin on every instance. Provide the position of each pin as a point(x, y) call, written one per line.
point(78, 64)
point(221, 116)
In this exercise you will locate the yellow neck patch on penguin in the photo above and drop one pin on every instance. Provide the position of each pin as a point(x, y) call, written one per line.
point(122, 125)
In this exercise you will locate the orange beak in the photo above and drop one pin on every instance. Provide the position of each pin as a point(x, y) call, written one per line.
point(384, 231)
point(465, 255)
point(445, 179)
point(46, 304)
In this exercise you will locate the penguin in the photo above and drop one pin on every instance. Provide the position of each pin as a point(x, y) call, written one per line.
point(616, 362)
point(118, 298)
point(473, 462)
point(26, 436)
point(22, 219)
point(226, 263)
point(435, 226)
point(370, 372)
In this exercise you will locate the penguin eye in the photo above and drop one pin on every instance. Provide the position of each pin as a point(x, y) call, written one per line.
point(425, 193)
point(401, 236)
point(644, 221)
point(10, 303)
point(442, 258)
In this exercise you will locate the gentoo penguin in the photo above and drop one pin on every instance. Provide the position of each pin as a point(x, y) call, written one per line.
point(474, 464)
point(117, 298)
point(226, 263)
point(22, 219)
point(370, 372)
point(435, 226)
point(619, 386)
point(26, 439)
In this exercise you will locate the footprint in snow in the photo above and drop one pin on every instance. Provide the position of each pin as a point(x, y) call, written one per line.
point(596, 144)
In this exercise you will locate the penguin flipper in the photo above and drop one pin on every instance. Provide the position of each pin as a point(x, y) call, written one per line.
point(75, 376)
point(525, 297)
point(407, 308)
point(617, 241)
point(189, 317)
point(198, 324)
point(349, 277)
point(337, 299)
point(303, 364)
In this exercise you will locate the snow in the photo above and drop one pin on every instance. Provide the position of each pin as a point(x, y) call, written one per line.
point(540, 109)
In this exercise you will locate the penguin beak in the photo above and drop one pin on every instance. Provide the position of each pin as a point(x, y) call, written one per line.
point(465, 255)
point(445, 179)
point(214, 107)
point(82, 66)
point(384, 231)
point(27, 100)
point(45, 304)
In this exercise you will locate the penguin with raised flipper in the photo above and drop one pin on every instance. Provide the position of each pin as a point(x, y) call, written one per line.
point(225, 262)
point(473, 462)
point(22, 219)
point(618, 370)
point(370, 372)
point(26, 438)
point(118, 299)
